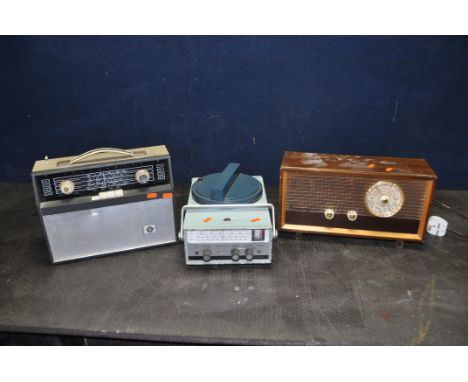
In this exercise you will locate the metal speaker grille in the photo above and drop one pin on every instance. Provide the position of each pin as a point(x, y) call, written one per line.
point(315, 193)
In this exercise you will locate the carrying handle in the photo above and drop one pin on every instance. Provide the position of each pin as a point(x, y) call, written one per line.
point(101, 151)
point(227, 206)
point(225, 180)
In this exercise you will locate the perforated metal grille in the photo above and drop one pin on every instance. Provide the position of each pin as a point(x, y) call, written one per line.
point(315, 193)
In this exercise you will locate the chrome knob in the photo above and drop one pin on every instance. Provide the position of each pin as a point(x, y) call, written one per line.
point(142, 176)
point(67, 187)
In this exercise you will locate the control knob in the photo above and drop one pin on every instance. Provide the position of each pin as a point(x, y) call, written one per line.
point(329, 214)
point(67, 187)
point(235, 254)
point(142, 176)
point(206, 255)
point(352, 215)
point(249, 254)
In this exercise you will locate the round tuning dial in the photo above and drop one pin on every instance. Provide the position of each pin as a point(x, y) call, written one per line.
point(67, 187)
point(384, 199)
point(142, 176)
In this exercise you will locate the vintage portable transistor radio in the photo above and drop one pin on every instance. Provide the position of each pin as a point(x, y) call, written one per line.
point(105, 201)
point(378, 197)
point(228, 220)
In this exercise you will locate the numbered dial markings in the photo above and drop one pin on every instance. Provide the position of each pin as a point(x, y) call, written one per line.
point(384, 199)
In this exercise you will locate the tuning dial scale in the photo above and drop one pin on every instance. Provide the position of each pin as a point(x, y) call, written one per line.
point(384, 199)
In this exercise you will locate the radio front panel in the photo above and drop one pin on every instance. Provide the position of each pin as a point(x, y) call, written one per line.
point(380, 197)
point(227, 235)
point(92, 232)
point(228, 246)
point(94, 180)
point(309, 198)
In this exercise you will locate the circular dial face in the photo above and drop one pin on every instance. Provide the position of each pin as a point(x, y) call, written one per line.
point(384, 199)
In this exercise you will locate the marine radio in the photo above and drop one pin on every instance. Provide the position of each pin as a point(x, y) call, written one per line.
point(228, 220)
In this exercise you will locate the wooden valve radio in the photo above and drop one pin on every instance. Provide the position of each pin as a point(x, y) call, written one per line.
point(378, 197)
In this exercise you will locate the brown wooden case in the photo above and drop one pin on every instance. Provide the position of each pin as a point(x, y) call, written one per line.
point(311, 183)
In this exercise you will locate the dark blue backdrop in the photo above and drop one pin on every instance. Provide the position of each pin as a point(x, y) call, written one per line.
point(212, 100)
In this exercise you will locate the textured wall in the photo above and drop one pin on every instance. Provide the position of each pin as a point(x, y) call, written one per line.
point(212, 100)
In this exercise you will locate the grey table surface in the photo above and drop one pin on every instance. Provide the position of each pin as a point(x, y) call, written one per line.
point(319, 289)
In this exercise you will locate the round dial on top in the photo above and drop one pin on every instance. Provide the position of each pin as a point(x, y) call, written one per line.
point(227, 187)
point(384, 199)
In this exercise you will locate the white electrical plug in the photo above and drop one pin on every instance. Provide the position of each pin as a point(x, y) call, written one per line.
point(437, 226)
